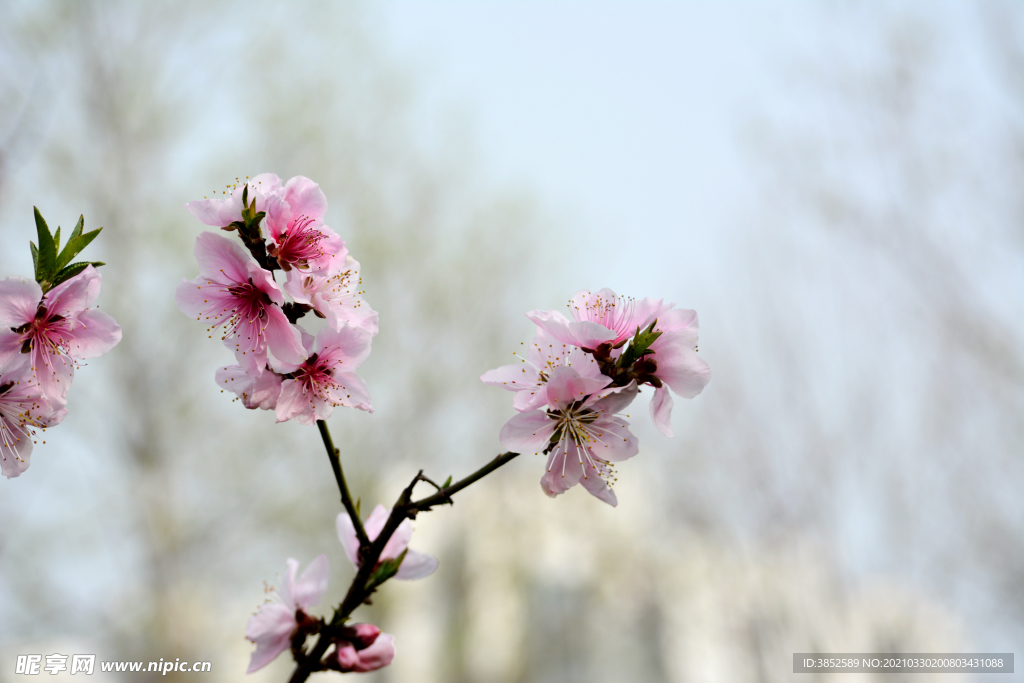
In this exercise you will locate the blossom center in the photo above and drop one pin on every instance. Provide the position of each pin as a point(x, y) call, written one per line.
point(575, 435)
point(299, 245)
point(317, 378)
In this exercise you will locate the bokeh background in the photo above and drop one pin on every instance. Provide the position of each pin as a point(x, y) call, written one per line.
point(835, 188)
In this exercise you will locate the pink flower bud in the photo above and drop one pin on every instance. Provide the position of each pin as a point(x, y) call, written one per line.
point(365, 635)
point(374, 657)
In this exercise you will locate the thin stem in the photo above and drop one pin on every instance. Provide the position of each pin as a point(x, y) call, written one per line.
point(444, 494)
point(346, 497)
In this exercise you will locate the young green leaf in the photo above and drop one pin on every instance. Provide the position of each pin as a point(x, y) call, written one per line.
point(78, 228)
point(386, 570)
point(75, 246)
point(35, 258)
point(47, 250)
point(73, 270)
point(447, 482)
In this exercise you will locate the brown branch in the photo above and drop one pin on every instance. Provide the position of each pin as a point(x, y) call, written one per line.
point(346, 497)
point(359, 591)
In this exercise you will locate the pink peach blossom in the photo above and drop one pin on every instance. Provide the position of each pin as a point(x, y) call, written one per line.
point(416, 565)
point(272, 626)
point(295, 226)
point(55, 330)
point(580, 430)
point(327, 378)
point(232, 290)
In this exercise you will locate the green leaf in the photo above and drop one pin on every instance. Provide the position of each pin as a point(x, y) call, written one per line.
point(35, 258)
point(56, 240)
point(75, 246)
point(447, 482)
point(78, 228)
point(73, 270)
point(386, 570)
point(358, 513)
point(47, 250)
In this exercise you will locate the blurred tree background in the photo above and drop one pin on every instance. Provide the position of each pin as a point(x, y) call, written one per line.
point(848, 482)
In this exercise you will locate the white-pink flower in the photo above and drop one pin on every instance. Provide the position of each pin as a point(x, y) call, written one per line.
point(272, 626)
point(232, 290)
point(530, 376)
point(255, 391)
point(416, 565)
point(54, 330)
point(582, 430)
point(360, 657)
point(676, 364)
point(22, 410)
point(221, 212)
point(327, 378)
point(299, 238)
point(334, 294)
point(599, 318)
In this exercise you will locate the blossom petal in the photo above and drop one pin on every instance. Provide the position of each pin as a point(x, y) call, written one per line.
point(564, 471)
point(283, 338)
point(312, 585)
point(416, 565)
point(661, 410)
point(74, 295)
point(612, 440)
point(555, 324)
point(598, 487)
point(566, 386)
point(525, 400)
point(374, 524)
point(527, 432)
point(222, 260)
point(291, 401)
point(512, 377)
point(350, 345)
point(11, 357)
point(679, 324)
point(270, 629)
point(683, 370)
point(398, 542)
point(347, 536)
point(305, 198)
point(93, 334)
point(590, 334)
point(613, 400)
point(218, 213)
point(15, 457)
point(19, 299)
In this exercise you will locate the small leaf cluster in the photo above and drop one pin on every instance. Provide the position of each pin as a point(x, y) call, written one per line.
point(251, 234)
point(639, 346)
point(634, 363)
point(53, 265)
